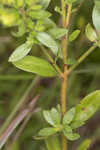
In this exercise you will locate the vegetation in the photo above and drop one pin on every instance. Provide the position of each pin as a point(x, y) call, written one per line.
point(49, 37)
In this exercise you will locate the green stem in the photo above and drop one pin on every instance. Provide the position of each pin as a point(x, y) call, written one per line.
point(82, 58)
point(52, 61)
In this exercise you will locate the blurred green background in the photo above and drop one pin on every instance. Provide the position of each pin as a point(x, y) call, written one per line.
point(85, 79)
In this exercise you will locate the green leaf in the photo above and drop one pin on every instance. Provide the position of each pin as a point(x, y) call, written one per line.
point(48, 41)
point(53, 143)
point(20, 52)
point(57, 33)
point(45, 3)
point(67, 129)
point(84, 145)
point(48, 23)
point(96, 18)
point(58, 10)
point(72, 136)
point(47, 131)
point(48, 117)
point(87, 107)
point(90, 33)
point(68, 117)
point(68, 133)
point(41, 14)
point(74, 35)
point(36, 65)
point(77, 124)
point(55, 116)
point(21, 30)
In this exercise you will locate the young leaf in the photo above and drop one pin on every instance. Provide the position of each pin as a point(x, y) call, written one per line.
point(47, 131)
point(68, 117)
point(72, 136)
point(84, 145)
point(96, 17)
point(36, 65)
point(48, 41)
point(53, 143)
point(20, 52)
point(90, 33)
point(55, 116)
point(48, 117)
point(87, 107)
point(57, 33)
point(74, 35)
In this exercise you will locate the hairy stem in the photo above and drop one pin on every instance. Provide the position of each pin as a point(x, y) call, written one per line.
point(65, 22)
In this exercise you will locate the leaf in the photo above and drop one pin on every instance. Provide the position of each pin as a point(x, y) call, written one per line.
point(74, 35)
point(77, 124)
point(68, 133)
point(84, 145)
point(48, 41)
point(57, 33)
point(20, 52)
point(36, 65)
point(68, 117)
point(72, 136)
point(41, 14)
point(53, 143)
point(21, 30)
point(55, 116)
point(47, 131)
point(90, 33)
point(67, 129)
point(45, 3)
point(96, 18)
point(48, 117)
point(87, 107)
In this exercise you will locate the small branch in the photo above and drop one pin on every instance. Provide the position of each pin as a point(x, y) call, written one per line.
point(82, 58)
point(52, 61)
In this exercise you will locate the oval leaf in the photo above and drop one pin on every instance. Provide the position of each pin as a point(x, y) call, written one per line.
point(72, 136)
point(90, 33)
point(74, 35)
point(87, 107)
point(57, 33)
point(96, 18)
point(68, 117)
point(20, 52)
point(35, 65)
point(55, 116)
point(48, 117)
point(48, 41)
point(47, 131)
